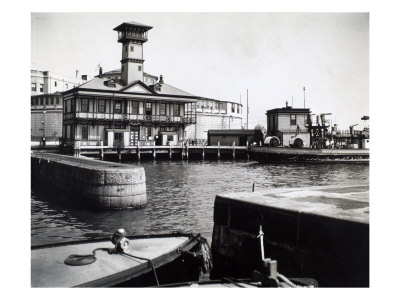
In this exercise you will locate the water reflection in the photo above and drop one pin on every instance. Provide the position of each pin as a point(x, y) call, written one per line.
point(181, 197)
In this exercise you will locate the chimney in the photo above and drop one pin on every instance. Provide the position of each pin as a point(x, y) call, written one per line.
point(161, 80)
point(84, 77)
point(100, 70)
point(77, 73)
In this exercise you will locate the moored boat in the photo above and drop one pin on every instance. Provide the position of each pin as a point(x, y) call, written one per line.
point(274, 154)
point(124, 261)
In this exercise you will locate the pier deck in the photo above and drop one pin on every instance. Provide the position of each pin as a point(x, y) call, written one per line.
point(99, 184)
point(181, 151)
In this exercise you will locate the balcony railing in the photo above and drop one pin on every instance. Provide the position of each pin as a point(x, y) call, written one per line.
point(129, 117)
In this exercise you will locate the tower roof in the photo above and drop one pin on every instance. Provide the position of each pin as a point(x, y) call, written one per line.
point(132, 24)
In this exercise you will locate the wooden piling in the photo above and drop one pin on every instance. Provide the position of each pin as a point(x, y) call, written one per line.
point(247, 151)
point(219, 152)
point(101, 151)
point(138, 151)
point(233, 149)
point(203, 152)
point(170, 151)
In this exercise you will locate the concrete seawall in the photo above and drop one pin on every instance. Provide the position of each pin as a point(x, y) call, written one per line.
point(99, 184)
point(320, 233)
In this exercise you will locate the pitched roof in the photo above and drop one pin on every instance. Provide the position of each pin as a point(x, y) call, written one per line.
point(167, 89)
point(132, 23)
point(137, 82)
point(118, 72)
point(98, 84)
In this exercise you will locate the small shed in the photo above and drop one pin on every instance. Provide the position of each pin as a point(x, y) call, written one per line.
point(226, 137)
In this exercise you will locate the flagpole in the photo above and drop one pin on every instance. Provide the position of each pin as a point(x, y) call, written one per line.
point(247, 122)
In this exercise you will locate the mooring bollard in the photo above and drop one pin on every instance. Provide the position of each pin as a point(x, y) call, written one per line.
point(119, 155)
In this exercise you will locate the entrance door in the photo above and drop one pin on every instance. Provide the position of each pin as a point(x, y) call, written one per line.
point(134, 136)
point(118, 140)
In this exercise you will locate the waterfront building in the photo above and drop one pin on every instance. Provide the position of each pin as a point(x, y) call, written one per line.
point(47, 104)
point(128, 107)
point(46, 82)
point(121, 110)
point(46, 118)
point(212, 114)
point(288, 122)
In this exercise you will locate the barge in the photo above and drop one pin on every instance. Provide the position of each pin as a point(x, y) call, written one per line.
point(276, 154)
point(136, 261)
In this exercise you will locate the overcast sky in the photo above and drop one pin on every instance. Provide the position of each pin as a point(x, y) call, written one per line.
point(220, 55)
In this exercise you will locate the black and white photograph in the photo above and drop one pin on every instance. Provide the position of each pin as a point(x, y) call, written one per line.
point(200, 149)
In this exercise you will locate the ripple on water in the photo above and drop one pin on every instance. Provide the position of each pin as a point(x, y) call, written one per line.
point(181, 197)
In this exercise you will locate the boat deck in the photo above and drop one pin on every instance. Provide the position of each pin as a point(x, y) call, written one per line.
point(49, 270)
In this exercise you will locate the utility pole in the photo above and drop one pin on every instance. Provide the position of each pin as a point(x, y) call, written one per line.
point(247, 122)
point(304, 90)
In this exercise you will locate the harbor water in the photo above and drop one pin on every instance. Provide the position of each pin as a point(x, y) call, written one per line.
point(181, 197)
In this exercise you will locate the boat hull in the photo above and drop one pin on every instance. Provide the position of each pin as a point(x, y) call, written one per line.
point(279, 154)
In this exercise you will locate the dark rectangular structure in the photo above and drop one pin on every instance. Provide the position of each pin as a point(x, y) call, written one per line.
point(240, 137)
point(319, 232)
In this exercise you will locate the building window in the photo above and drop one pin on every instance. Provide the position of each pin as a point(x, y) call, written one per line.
point(233, 107)
point(85, 133)
point(131, 48)
point(139, 68)
point(238, 109)
point(135, 107)
point(292, 119)
point(101, 106)
point(117, 107)
point(176, 109)
point(163, 109)
point(85, 105)
point(148, 108)
point(33, 88)
point(41, 87)
point(55, 83)
point(57, 100)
